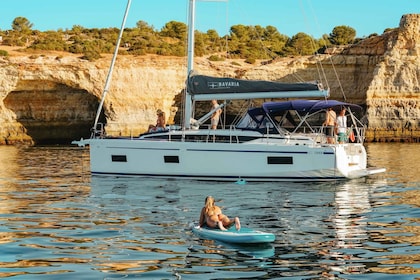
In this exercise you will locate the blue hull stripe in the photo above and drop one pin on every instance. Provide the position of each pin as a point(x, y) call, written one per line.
point(227, 178)
point(245, 151)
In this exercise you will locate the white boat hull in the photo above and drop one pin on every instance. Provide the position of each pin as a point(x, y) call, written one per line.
point(255, 161)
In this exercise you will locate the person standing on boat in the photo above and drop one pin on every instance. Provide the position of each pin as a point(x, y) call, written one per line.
point(212, 216)
point(342, 126)
point(216, 115)
point(330, 123)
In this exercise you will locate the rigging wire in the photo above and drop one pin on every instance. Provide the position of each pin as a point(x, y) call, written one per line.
point(321, 69)
point(111, 68)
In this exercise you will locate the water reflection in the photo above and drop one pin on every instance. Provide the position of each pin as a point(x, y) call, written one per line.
point(352, 203)
point(402, 160)
point(57, 221)
point(8, 165)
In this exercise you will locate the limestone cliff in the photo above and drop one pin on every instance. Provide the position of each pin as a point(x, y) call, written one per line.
point(393, 96)
point(54, 96)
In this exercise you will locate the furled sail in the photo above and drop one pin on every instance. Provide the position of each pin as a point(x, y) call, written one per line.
point(202, 87)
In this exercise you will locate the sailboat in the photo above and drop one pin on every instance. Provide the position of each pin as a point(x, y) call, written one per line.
point(277, 141)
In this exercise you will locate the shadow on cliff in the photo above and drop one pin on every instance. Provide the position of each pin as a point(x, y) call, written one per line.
point(53, 113)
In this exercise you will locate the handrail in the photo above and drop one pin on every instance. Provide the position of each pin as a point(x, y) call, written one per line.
point(231, 135)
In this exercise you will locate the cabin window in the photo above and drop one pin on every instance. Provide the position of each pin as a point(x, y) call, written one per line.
point(119, 158)
point(279, 160)
point(171, 159)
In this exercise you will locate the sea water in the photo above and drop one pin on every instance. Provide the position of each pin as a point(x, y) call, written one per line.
point(58, 222)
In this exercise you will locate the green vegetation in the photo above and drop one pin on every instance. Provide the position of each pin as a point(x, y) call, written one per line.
point(4, 53)
point(216, 58)
point(342, 35)
point(244, 42)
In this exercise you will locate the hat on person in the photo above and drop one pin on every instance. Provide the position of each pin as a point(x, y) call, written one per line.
point(159, 111)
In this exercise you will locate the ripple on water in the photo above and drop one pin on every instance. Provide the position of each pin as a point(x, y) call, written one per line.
point(55, 224)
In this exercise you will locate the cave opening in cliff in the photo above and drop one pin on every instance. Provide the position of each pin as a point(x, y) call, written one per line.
point(53, 113)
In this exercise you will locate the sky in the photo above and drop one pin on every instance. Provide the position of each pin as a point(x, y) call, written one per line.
point(313, 17)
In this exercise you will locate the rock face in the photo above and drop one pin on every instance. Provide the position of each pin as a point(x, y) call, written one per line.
point(54, 97)
point(393, 96)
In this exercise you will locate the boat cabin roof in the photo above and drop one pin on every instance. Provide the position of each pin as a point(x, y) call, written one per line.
point(278, 114)
point(304, 106)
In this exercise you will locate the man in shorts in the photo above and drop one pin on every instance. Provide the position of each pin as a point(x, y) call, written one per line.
point(330, 123)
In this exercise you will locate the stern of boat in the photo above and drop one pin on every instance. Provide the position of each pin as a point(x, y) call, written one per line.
point(351, 161)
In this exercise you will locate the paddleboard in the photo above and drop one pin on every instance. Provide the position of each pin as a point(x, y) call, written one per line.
point(243, 236)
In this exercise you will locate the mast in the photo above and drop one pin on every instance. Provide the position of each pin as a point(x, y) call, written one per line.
point(190, 63)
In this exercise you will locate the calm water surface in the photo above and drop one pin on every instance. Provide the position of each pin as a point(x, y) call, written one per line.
point(58, 222)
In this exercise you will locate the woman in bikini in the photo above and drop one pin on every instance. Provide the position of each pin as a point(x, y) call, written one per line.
point(212, 216)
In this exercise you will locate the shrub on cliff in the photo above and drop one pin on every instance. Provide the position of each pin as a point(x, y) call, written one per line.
point(4, 53)
point(52, 41)
point(91, 55)
point(216, 58)
point(14, 38)
point(250, 60)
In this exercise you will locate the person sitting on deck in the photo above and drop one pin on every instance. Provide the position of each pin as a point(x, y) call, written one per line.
point(212, 216)
point(160, 122)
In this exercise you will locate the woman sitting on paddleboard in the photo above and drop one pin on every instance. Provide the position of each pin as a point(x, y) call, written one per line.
point(212, 216)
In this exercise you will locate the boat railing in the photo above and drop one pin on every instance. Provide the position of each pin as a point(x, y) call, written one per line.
point(98, 131)
point(231, 134)
point(318, 133)
point(358, 133)
point(213, 135)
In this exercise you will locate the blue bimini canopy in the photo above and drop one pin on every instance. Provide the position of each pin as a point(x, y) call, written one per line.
point(304, 106)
